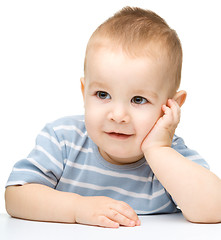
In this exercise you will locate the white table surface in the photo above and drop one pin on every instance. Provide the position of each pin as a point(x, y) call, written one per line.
point(169, 226)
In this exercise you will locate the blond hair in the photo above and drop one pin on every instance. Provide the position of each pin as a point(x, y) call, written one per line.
point(140, 32)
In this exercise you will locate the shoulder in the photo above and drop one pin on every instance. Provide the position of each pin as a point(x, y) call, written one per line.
point(178, 142)
point(67, 127)
point(179, 145)
point(77, 120)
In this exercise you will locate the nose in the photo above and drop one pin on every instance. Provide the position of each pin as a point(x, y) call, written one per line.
point(119, 114)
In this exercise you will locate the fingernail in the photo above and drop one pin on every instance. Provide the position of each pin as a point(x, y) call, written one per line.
point(132, 223)
point(116, 225)
point(138, 223)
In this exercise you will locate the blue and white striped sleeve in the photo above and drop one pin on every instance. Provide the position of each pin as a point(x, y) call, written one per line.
point(179, 145)
point(44, 165)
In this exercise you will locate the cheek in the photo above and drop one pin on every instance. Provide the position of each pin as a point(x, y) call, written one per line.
point(93, 118)
point(145, 122)
point(91, 106)
point(143, 128)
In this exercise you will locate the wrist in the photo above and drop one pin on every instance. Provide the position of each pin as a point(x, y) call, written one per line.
point(155, 146)
point(76, 202)
point(156, 151)
point(161, 140)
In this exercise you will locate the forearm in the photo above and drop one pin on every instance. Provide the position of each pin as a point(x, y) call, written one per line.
point(40, 203)
point(196, 190)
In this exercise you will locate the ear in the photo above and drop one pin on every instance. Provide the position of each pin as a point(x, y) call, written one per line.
point(180, 97)
point(82, 85)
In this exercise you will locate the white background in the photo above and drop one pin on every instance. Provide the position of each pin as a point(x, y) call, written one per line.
point(42, 46)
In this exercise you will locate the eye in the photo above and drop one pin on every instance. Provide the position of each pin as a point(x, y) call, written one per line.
point(103, 95)
point(139, 100)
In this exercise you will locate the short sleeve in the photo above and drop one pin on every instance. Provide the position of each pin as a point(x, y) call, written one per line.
point(44, 164)
point(179, 145)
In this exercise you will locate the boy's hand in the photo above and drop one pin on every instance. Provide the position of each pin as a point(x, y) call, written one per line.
point(105, 212)
point(162, 132)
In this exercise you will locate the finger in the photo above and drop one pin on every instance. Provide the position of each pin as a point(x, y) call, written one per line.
point(121, 219)
point(104, 221)
point(173, 105)
point(175, 110)
point(168, 115)
point(126, 210)
point(166, 110)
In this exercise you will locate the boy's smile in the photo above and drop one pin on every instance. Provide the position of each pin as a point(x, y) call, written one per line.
point(120, 136)
point(123, 98)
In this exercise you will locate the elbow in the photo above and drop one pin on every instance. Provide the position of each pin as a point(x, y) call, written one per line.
point(205, 210)
point(9, 201)
point(203, 220)
point(204, 216)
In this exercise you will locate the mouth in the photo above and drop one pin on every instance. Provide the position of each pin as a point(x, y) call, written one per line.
point(120, 136)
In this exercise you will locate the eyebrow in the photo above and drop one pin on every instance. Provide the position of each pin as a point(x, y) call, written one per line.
point(146, 92)
point(97, 84)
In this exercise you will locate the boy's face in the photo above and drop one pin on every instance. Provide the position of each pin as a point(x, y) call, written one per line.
point(123, 98)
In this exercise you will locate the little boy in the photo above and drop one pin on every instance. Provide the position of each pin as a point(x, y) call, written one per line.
point(121, 158)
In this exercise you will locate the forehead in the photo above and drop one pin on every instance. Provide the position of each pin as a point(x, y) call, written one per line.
point(114, 65)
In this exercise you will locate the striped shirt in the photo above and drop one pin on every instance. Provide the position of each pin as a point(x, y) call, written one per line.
point(65, 158)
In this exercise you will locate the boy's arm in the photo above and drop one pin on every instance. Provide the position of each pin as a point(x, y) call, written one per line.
point(196, 190)
point(41, 203)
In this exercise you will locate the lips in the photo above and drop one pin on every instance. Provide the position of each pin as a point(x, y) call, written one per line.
point(121, 136)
